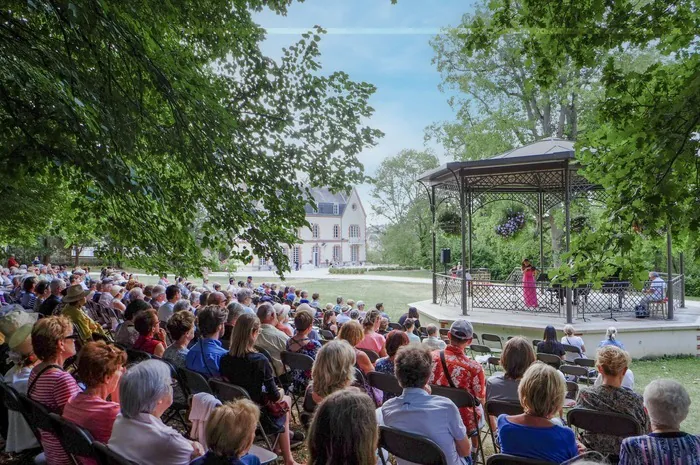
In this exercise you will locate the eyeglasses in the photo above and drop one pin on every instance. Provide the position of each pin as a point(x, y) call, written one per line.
point(72, 336)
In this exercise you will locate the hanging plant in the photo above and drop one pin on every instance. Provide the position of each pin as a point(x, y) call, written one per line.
point(513, 221)
point(578, 223)
point(450, 222)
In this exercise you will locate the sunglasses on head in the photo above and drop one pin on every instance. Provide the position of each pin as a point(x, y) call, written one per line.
point(72, 336)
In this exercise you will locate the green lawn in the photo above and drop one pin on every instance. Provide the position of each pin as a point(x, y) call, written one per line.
point(425, 274)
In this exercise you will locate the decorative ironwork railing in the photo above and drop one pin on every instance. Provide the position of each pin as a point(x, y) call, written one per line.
point(449, 290)
point(513, 296)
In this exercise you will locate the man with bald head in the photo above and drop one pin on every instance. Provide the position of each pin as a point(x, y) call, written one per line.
point(217, 298)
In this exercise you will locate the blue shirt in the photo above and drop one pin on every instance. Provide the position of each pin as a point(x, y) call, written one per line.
point(212, 353)
point(437, 418)
point(611, 342)
point(247, 459)
point(555, 444)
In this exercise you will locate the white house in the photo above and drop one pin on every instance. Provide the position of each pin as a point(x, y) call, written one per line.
point(338, 233)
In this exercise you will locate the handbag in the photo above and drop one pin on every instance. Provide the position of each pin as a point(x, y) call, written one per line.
point(276, 408)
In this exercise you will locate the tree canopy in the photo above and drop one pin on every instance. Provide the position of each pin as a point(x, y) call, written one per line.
point(171, 127)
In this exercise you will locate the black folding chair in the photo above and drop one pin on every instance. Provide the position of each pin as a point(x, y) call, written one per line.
point(227, 392)
point(195, 382)
point(384, 382)
point(76, 441)
point(535, 342)
point(408, 446)
point(11, 401)
point(396, 326)
point(296, 361)
point(107, 456)
point(373, 356)
point(572, 350)
point(506, 459)
point(608, 423)
point(327, 334)
point(493, 338)
point(572, 390)
point(36, 414)
point(585, 362)
point(178, 406)
point(443, 333)
point(552, 360)
point(494, 362)
point(134, 356)
point(463, 399)
point(577, 372)
point(498, 407)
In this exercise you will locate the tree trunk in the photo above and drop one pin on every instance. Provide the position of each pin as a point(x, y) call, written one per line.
point(77, 250)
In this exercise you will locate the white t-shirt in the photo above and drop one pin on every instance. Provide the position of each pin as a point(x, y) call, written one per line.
point(575, 341)
point(627, 381)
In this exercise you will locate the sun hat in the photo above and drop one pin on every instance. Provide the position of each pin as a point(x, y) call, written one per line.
point(115, 290)
point(13, 317)
point(74, 293)
point(20, 335)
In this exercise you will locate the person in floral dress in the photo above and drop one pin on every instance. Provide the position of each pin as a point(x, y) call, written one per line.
point(301, 344)
point(464, 372)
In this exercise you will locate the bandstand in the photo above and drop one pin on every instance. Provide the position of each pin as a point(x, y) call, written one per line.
point(542, 176)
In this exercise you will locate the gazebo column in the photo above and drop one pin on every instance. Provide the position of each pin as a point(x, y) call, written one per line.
point(431, 194)
point(540, 213)
point(669, 270)
point(567, 227)
point(463, 209)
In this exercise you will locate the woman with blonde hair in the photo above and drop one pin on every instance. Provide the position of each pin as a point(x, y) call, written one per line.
point(230, 433)
point(532, 434)
point(251, 370)
point(352, 333)
point(333, 370)
point(344, 430)
point(372, 340)
point(611, 396)
point(571, 339)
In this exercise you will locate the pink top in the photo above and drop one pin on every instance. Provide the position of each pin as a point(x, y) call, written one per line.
point(372, 341)
point(95, 415)
point(53, 390)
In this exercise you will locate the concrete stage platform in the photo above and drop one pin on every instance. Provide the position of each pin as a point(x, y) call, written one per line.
point(642, 337)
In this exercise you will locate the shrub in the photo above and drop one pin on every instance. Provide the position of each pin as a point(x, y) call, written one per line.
point(334, 270)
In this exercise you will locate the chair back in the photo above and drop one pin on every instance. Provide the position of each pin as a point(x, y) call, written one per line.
point(226, 392)
point(585, 362)
point(486, 337)
point(107, 456)
point(296, 361)
point(76, 441)
point(327, 334)
point(408, 446)
point(444, 332)
point(135, 356)
point(499, 407)
point(506, 459)
point(574, 370)
point(480, 349)
point(396, 326)
point(373, 356)
point(460, 397)
point(572, 349)
point(535, 342)
point(613, 424)
point(384, 382)
point(495, 361)
point(550, 359)
point(36, 414)
point(195, 382)
point(572, 390)
point(10, 397)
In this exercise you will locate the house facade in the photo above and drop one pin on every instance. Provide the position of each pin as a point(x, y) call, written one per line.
point(337, 233)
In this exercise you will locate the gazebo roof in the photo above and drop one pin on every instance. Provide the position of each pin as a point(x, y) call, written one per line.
point(539, 166)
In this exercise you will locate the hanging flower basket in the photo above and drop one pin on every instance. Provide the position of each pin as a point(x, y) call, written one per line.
point(450, 222)
point(512, 223)
point(578, 223)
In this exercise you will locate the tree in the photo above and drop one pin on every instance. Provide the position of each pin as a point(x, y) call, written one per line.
point(403, 202)
point(499, 103)
point(643, 146)
point(152, 111)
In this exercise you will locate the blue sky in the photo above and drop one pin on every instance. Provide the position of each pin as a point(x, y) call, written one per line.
point(386, 45)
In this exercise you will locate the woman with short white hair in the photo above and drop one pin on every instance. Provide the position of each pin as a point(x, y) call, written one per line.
point(571, 339)
point(668, 404)
point(283, 325)
point(138, 434)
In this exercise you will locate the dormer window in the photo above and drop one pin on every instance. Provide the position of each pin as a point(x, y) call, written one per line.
point(336, 209)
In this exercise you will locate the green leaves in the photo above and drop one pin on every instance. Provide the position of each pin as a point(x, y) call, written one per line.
point(173, 126)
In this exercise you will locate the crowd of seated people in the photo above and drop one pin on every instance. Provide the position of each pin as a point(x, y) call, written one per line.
point(122, 405)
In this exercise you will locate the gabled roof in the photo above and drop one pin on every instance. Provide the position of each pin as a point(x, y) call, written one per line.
point(325, 200)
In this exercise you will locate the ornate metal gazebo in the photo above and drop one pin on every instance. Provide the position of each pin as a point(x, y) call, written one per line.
point(541, 175)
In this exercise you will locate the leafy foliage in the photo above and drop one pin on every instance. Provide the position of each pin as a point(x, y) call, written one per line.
point(172, 128)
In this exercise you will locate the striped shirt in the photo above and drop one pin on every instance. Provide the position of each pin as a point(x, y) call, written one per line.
point(661, 448)
point(53, 390)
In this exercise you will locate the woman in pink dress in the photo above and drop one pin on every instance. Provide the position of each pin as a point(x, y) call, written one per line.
point(529, 286)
